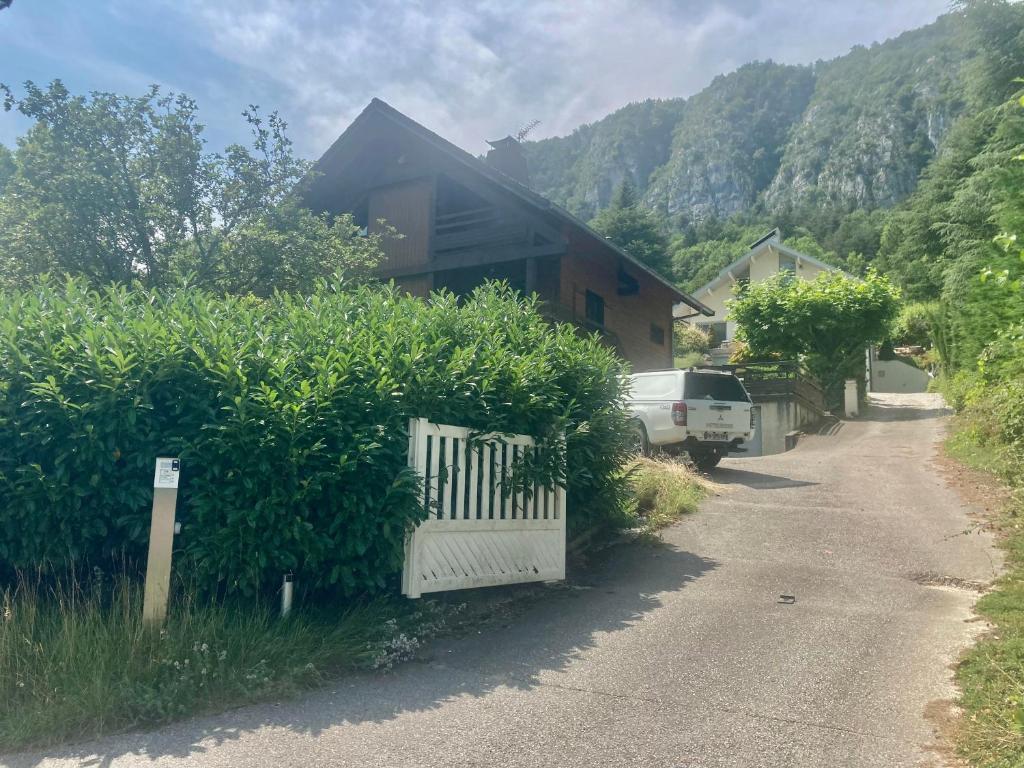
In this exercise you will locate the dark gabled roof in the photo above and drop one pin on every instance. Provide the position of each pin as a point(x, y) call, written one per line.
point(376, 107)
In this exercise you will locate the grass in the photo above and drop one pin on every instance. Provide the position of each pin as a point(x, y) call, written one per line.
point(76, 662)
point(664, 491)
point(991, 674)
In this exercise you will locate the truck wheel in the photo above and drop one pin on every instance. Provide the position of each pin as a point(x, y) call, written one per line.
point(705, 461)
point(639, 444)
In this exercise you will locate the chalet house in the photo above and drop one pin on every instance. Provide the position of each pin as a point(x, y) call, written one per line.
point(465, 220)
point(766, 257)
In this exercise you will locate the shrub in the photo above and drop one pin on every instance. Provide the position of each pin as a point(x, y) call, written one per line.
point(913, 325)
point(289, 414)
point(1003, 358)
point(960, 389)
point(689, 338)
point(1008, 402)
point(992, 417)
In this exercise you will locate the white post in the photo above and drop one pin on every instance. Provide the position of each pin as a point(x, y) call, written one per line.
point(418, 462)
point(161, 542)
point(851, 400)
point(286, 595)
point(560, 496)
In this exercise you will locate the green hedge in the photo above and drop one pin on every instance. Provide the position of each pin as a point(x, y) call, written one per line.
point(290, 416)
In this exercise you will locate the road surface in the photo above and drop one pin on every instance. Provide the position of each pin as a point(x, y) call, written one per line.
point(682, 655)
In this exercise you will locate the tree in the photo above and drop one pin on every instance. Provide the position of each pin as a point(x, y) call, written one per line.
point(995, 30)
point(118, 189)
point(825, 323)
point(913, 325)
point(998, 295)
point(6, 167)
point(634, 229)
point(945, 237)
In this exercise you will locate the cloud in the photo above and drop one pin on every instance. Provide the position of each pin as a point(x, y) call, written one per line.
point(479, 70)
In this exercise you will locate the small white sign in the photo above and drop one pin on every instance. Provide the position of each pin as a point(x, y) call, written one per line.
point(167, 471)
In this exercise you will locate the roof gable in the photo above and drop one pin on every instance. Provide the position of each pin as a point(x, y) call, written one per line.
point(378, 110)
point(759, 247)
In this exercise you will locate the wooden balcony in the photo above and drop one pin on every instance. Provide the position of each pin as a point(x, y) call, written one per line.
point(559, 313)
point(478, 228)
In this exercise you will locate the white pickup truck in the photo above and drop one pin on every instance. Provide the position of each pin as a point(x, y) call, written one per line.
point(703, 412)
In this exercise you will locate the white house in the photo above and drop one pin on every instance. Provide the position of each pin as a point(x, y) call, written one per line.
point(766, 257)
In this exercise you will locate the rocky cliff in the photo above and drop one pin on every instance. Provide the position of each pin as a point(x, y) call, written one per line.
point(853, 132)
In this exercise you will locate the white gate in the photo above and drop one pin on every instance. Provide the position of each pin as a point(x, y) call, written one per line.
point(484, 528)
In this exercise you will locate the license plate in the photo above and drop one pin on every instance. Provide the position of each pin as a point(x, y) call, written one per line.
point(721, 436)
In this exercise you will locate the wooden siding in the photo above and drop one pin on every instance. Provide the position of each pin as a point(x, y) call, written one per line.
point(408, 207)
point(627, 318)
point(385, 171)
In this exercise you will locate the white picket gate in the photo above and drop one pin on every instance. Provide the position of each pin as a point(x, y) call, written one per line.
point(477, 534)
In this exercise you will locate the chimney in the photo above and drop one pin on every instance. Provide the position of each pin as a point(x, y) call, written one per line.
point(506, 155)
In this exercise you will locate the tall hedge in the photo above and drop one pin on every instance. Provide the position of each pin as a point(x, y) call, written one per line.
point(290, 415)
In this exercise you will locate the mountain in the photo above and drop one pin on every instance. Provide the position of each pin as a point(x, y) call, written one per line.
point(729, 141)
point(853, 132)
point(581, 171)
point(876, 118)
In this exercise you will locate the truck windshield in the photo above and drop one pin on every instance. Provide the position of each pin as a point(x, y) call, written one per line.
point(713, 386)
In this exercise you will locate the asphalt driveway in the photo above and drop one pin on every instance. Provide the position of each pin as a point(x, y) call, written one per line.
point(680, 655)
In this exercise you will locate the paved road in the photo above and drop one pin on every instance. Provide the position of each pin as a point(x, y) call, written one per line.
point(678, 656)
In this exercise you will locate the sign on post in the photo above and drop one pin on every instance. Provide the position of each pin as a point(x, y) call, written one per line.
point(161, 541)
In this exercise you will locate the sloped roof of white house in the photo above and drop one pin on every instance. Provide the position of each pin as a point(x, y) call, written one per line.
point(772, 240)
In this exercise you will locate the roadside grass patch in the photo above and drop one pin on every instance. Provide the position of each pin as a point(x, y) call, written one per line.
point(664, 491)
point(76, 662)
point(966, 446)
point(991, 674)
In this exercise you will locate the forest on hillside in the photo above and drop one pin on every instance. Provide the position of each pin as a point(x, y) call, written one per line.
point(889, 156)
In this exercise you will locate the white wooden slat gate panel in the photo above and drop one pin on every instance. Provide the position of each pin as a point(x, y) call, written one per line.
point(476, 535)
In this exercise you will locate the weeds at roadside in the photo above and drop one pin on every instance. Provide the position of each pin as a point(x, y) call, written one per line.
point(76, 661)
point(664, 490)
point(991, 674)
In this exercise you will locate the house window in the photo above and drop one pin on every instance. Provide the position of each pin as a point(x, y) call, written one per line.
point(628, 285)
point(658, 335)
point(787, 264)
point(595, 308)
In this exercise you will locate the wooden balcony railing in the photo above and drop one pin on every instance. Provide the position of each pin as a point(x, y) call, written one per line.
point(477, 218)
point(478, 228)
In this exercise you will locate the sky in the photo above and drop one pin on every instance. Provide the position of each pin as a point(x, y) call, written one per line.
point(470, 71)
